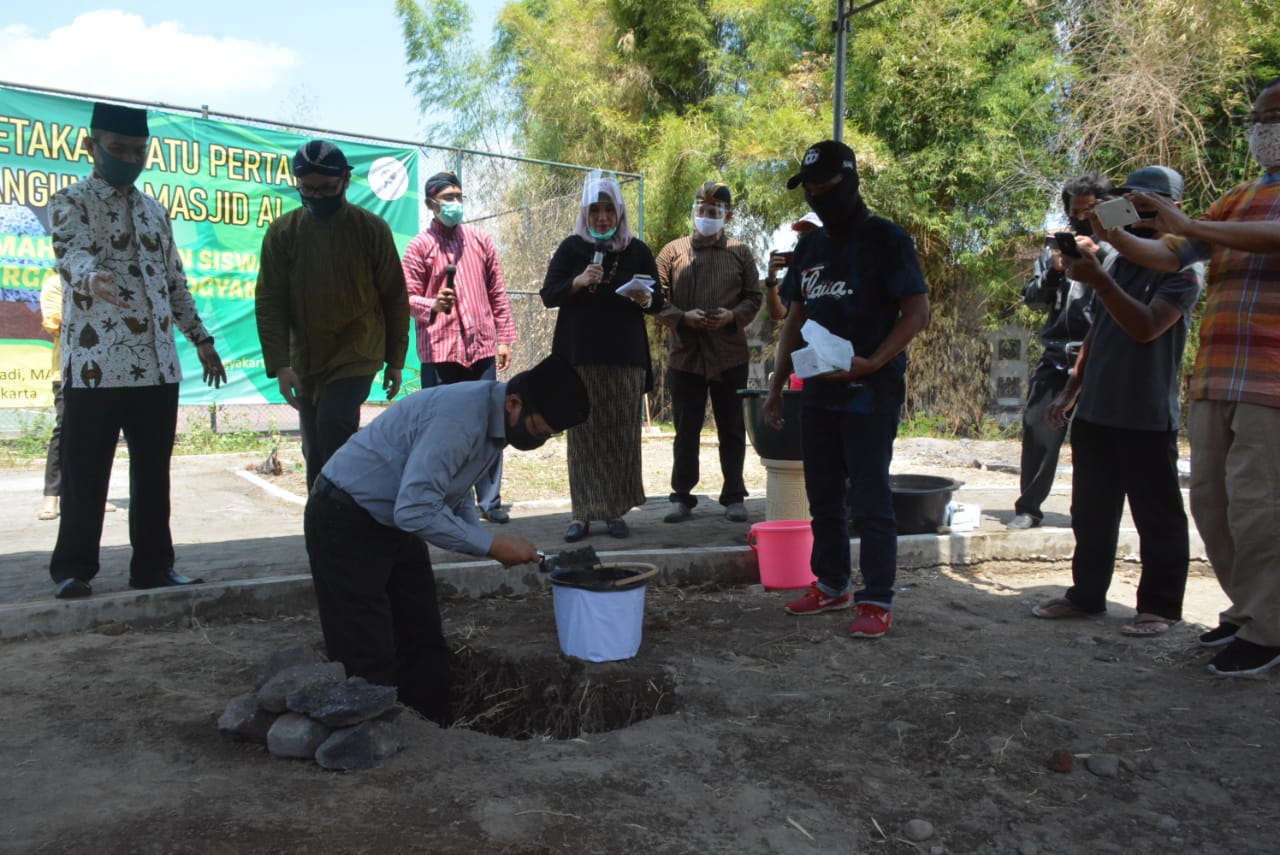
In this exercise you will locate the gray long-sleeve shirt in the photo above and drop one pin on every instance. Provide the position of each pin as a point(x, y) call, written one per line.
point(414, 466)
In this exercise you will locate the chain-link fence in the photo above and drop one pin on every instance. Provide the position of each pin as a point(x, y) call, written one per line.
point(528, 207)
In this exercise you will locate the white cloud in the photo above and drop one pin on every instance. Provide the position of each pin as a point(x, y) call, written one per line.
point(113, 53)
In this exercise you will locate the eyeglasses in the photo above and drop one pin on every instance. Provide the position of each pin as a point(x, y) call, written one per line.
point(320, 191)
point(1266, 117)
point(450, 197)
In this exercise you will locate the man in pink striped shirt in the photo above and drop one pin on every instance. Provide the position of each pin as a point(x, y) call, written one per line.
point(459, 301)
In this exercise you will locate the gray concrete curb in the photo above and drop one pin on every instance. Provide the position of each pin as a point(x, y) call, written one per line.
point(293, 594)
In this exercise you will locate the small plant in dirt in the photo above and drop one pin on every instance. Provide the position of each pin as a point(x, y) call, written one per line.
point(232, 434)
point(31, 443)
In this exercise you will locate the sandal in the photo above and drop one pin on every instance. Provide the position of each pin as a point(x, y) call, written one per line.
point(1059, 608)
point(1147, 626)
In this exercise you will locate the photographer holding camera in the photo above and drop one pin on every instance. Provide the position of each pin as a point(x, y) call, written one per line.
point(1127, 412)
point(1070, 307)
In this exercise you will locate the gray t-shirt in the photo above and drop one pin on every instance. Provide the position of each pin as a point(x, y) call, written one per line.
point(1129, 384)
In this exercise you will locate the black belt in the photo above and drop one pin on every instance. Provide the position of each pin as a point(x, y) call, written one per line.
point(328, 489)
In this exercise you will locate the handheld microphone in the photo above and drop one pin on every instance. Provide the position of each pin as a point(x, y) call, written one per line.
point(598, 258)
point(449, 272)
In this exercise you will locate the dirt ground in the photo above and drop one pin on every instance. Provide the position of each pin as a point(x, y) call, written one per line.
point(753, 732)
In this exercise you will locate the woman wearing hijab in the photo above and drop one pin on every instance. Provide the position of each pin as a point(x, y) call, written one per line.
point(602, 334)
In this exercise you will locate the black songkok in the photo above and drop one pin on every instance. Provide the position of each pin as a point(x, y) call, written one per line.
point(554, 389)
point(117, 119)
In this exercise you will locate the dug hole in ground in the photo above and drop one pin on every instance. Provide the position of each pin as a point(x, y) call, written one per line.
point(737, 728)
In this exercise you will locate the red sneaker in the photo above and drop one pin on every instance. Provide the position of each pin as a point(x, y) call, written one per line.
point(870, 621)
point(814, 601)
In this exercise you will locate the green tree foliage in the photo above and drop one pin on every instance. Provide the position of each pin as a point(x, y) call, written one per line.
point(966, 115)
point(1160, 81)
point(458, 85)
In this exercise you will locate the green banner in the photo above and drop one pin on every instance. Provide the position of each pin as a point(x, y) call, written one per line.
point(223, 184)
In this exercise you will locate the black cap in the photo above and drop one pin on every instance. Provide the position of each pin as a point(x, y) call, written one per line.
point(1160, 180)
point(322, 157)
point(823, 161)
point(116, 119)
point(554, 389)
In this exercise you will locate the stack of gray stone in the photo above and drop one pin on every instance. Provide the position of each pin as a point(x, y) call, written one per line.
point(304, 708)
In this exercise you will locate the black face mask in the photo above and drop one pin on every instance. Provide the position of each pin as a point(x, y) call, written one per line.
point(322, 207)
point(1084, 228)
point(518, 435)
point(840, 207)
point(116, 172)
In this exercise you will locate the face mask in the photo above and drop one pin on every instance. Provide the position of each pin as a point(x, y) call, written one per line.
point(1081, 227)
point(118, 173)
point(602, 235)
point(518, 435)
point(837, 206)
point(1264, 145)
point(322, 207)
point(708, 226)
point(450, 213)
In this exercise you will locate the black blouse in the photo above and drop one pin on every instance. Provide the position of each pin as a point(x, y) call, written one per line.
point(601, 327)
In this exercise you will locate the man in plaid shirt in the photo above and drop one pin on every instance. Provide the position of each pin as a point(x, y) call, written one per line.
point(1235, 393)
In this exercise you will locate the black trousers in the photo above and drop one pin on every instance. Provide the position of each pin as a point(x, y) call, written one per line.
point(688, 408)
point(93, 421)
point(1108, 465)
point(377, 599)
point(328, 423)
point(1040, 442)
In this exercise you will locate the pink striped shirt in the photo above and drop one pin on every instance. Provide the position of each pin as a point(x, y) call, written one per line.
point(481, 316)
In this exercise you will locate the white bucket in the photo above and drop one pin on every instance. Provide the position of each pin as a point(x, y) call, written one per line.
point(601, 625)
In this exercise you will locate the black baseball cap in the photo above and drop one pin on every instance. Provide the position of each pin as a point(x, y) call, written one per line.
point(823, 161)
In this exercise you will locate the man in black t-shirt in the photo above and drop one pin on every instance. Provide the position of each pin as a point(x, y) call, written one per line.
point(859, 277)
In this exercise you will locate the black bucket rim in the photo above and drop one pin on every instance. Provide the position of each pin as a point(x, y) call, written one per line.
point(936, 484)
point(643, 572)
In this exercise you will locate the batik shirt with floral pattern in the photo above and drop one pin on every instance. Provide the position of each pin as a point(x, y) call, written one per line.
point(97, 228)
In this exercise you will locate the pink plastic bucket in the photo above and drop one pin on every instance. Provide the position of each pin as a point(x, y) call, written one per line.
point(782, 548)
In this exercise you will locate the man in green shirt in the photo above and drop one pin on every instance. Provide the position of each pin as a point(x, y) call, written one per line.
point(332, 306)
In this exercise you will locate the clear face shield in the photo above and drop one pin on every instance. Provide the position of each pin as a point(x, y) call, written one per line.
point(600, 181)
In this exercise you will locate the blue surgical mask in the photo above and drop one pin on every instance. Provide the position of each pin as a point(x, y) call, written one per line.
point(450, 213)
point(602, 235)
point(116, 172)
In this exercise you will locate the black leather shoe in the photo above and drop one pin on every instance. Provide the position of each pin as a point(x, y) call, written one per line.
point(72, 589)
point(1021, 522)
point(576, 531)
point(618, 529)
point(168, 580)
point(497, 515)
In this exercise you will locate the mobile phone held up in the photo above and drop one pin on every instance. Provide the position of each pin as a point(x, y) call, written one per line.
point(1116, 213)
point(787, 257)
point(1066, 242)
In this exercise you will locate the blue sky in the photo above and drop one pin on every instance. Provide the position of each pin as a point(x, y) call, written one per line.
point(341, 69)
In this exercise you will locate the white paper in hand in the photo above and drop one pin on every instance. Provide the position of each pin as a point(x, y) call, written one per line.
point(826, 352)
point(640, 286)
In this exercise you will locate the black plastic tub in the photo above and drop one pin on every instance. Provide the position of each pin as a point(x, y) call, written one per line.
point(920, 502)
point(769, 443)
